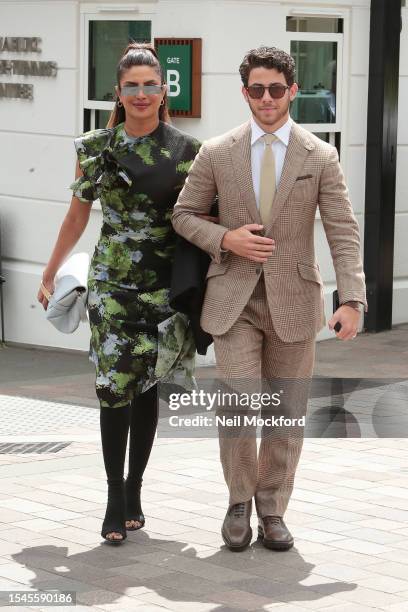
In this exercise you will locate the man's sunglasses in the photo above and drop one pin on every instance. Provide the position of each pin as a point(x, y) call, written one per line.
point(148, 90)
point(276, 90)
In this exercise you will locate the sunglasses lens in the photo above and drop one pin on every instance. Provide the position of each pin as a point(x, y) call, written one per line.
point(148, 90)
point(277, 91)
point(130, 90)
point(255, 91)
point(151, 90)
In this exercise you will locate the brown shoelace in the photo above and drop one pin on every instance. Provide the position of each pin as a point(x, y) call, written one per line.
point(273, 520)
point(238, 510)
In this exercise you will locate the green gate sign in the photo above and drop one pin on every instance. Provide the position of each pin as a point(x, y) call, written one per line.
point(176, 63)
point(181, 62)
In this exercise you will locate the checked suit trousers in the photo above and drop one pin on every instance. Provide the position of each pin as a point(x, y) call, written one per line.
point(251, 356)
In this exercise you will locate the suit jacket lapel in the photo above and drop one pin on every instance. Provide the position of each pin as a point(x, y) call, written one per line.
point(241, 161)
point(298, 148)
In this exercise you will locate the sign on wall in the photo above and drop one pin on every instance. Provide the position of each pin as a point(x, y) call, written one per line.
point(181, 62)
point(11, 67)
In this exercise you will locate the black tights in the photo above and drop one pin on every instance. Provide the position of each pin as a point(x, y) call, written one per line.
point(139, 421)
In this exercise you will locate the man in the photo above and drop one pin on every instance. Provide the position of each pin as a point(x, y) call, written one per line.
point(264, 298)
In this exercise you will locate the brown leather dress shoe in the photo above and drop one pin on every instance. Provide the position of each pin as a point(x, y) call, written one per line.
point(274, 533)
point(236, 530)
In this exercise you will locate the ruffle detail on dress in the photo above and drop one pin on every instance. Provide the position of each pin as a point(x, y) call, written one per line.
point(99, 166)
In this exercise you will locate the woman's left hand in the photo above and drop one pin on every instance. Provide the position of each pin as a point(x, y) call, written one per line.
point(209, 218)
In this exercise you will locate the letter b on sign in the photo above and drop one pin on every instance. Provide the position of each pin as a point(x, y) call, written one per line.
point(173, 83)
point(177, 66)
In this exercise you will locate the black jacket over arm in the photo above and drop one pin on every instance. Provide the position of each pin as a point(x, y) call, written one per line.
point(187, 289)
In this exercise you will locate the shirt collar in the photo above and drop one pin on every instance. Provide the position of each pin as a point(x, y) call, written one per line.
point(282, 133)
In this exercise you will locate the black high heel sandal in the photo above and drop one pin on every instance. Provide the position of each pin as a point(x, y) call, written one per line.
point(114, 521)
point(133, 507)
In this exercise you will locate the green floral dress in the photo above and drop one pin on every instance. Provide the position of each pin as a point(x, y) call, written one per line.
point(136, 338)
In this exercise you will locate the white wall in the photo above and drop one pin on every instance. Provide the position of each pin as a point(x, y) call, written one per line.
point(39, 165)
point(37, 136)
point(400, 294)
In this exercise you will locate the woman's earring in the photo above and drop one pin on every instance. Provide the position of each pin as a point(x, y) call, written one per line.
point(119, 103)
point(162, 102)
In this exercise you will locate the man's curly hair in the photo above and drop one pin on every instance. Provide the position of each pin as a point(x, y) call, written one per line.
point(268, 57)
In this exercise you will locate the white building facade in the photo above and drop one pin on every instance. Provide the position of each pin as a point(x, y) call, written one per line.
point(329, 40)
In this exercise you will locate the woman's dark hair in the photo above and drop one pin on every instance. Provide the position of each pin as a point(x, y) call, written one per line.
point(268, 57)
point(138, 54)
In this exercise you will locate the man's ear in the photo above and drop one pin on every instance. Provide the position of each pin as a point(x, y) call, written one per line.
point(293, 91)
point(244, 93)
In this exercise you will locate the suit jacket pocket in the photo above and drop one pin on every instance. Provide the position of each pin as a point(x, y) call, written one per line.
point(304, 176)
point(309, 272)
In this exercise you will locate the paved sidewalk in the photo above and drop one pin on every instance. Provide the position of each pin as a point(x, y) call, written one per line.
point(348, 512)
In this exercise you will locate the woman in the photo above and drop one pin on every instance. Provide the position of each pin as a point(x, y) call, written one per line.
point(136, 167)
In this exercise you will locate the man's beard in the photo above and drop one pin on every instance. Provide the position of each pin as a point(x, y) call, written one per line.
point(280, 113)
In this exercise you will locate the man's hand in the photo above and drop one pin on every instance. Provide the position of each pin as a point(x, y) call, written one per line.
point(242, 241)
point(349, 318)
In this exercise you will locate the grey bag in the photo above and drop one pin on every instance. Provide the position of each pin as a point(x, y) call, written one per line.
point(67, 305)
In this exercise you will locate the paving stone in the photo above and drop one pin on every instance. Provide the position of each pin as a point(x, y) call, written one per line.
point(399, 607)
point(351, 607)
point(342, 572)
point(27, 507)
point(345, 557)
point(21, 536)
point(9, 516)
point(171, 599)
point(193, 566)
point(312, 600)
point(362, 546)
point(36, 524)
point(23, 575)
point(57, 514)
point(315, 535)
point(381, 524)
point(385, 584)
point(122, 602)
point(72, 534)
point(240, 600)
point(369, 597)
point(196, 536)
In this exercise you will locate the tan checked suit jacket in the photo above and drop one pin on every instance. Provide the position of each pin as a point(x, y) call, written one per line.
point(311, 178)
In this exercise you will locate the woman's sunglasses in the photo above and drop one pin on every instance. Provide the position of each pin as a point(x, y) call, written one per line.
point(148, 90)
point(275, 90)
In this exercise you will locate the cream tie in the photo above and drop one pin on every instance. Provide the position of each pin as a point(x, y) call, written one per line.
point(268, 179)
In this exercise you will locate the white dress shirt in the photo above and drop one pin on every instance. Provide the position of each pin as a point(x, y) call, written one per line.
point(257, 150)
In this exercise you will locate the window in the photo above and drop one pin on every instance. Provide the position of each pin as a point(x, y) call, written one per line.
point(316, 69)
point(316, 44)
point(105, 40)
point(314, 24)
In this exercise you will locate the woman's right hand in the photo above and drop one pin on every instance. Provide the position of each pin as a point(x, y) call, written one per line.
point(49, 286)
point(71, 230)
